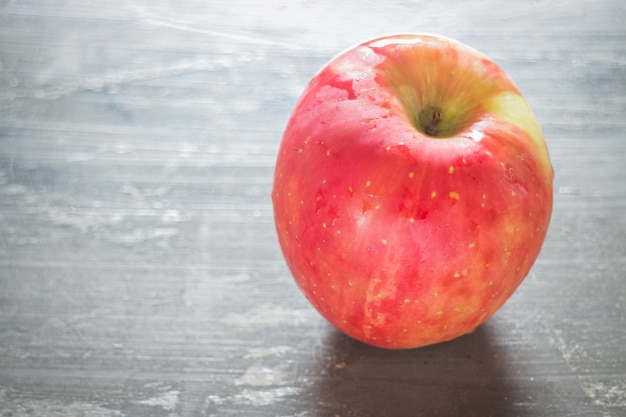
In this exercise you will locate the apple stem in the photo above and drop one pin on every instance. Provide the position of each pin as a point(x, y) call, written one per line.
point(431, 129)
point(429, 119)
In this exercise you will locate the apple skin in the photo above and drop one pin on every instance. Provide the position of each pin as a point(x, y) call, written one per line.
point(412, 190)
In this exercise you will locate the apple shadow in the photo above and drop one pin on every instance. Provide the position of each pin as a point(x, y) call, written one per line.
point(463, 377)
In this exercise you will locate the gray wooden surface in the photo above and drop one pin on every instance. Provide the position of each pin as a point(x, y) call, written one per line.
point(139, 269)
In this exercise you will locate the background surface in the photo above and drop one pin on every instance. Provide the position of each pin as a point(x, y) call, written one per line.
point(140, 273)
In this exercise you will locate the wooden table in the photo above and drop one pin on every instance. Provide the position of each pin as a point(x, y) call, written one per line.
point(140, 273)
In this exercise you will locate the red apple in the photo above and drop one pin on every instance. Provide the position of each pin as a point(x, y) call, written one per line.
point(412, 190)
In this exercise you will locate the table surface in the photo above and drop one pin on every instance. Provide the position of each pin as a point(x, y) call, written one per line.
point(140, 273)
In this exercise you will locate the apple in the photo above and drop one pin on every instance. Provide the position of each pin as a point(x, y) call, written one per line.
point(412, 190)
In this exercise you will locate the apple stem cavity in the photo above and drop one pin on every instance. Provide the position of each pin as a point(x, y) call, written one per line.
point(429, 119)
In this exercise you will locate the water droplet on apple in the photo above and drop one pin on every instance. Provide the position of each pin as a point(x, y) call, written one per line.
point(476, 135)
